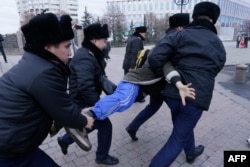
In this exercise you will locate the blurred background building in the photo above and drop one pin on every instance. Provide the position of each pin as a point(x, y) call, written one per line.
point(123, 15)
point(34, 7)
point(233, 12)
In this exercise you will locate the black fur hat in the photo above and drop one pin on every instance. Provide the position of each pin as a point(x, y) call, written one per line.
point(66, 28)
point(179, 19)
point(141, 29)
point(208, 9)
point(42, 29)
point(46, 29)
point(96, 31)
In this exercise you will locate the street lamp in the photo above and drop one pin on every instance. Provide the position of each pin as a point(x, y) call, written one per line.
point(181, 2)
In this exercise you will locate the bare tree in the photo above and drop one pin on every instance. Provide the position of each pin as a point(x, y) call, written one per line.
point(131, 28)
point(246, 27)
point(150, 21)
point(156, 27)
point(116, 21)
point(87, 18)
point(27, 18)
point(160, 27)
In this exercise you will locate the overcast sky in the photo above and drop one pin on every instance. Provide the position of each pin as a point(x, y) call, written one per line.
point(9, 19)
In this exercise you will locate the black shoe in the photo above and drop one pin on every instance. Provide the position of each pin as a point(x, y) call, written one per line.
point(80, 137)
point(248, 141)
point(109, 160)
point(64, 146)
point(141, 101)
point(197, 152)
point(132, 134)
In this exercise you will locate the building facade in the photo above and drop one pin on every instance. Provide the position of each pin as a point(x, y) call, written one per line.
point(233, 12)
point(26, 7)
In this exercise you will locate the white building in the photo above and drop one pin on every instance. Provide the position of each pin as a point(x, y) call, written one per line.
point(25, 7)
point(233, 12)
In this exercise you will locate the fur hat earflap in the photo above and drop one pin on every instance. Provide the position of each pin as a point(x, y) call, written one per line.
point(208, 9)
point(96, 31)
point(179, 19)
point(141, 29)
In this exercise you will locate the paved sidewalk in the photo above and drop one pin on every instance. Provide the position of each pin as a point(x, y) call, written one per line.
point(224, 127)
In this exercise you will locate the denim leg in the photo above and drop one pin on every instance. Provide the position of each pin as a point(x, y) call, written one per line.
point(189, 148)
point(185, 119)
point(153, 106)
point(104, 138)
point(191, 141)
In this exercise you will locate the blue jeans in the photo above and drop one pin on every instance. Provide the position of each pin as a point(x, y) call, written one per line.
point(35, 158)
point(184, 120)
point(153, 106)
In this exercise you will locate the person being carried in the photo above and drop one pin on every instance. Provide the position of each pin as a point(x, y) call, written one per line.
point(124, 97)
point(134, 45)
point(126, 94)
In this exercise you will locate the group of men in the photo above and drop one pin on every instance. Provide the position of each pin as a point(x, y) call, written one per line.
point(34, 91)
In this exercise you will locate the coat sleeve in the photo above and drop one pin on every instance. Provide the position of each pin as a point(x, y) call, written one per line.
point(134, 47)
point(86, 80)
point(171, 75)
point(49, 90)
point(161, 53)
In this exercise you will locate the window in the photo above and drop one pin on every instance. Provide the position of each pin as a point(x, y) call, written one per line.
point(161, 6)
point(167, 5)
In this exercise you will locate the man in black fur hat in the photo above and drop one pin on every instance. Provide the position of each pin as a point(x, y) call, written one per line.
point(87, 66)
point(140, 75)
point(198, 55)
point(134, 45)
point(34, 93)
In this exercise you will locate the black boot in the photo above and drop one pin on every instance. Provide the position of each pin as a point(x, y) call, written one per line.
point(141, 96)
point(132, 134)
point(64, 146)
point(109, 160)
point(197, 152)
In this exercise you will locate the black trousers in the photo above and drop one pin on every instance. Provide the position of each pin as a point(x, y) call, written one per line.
point(3, 53)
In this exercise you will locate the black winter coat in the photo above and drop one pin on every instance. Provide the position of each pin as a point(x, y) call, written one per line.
point(134, 45)
point(86, 67)
point(197, 54)
point(33, 94)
